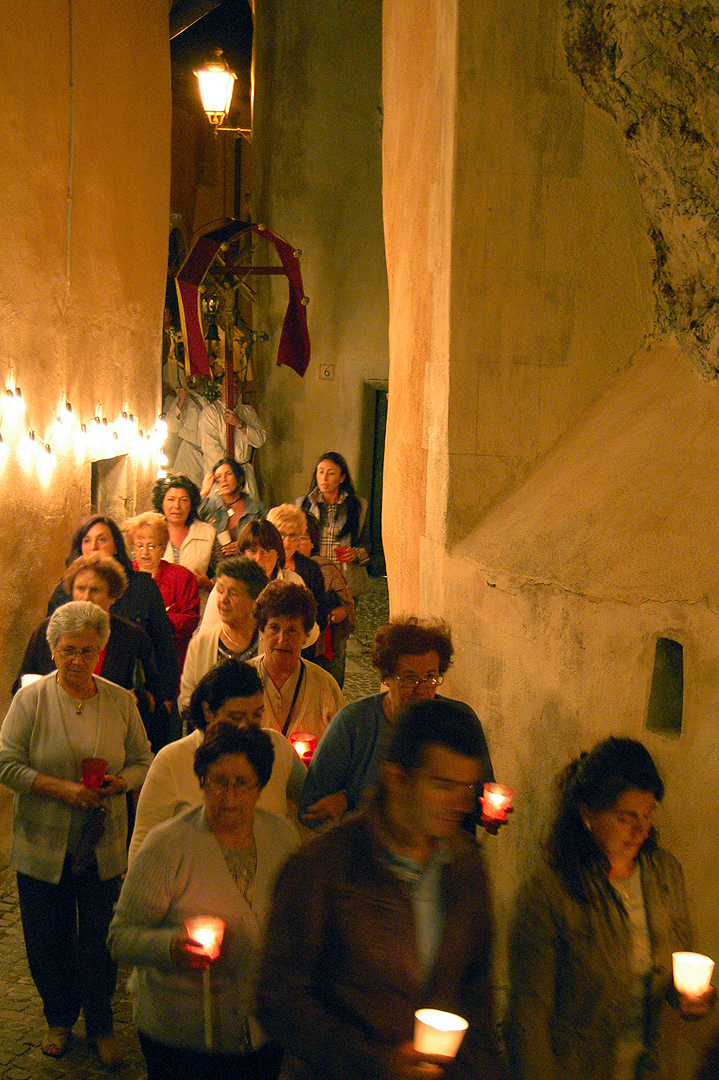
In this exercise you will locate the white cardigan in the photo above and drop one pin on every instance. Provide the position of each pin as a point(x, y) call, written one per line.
point(178, 872)
point(34, 739)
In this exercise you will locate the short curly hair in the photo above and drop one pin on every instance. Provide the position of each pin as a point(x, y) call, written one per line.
point(245, 570)
point(291, 601)
point(223, 738)
point(148, 520)
point(104, 566)
point(411, 636)
point(166, 483)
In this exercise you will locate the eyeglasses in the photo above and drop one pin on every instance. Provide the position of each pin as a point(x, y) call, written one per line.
point(69, 652)
point(241, 785)
point(411, 682)
point(145, 547)
point(290, 536)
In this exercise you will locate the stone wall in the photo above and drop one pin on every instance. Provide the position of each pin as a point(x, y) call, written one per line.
point(317, 182)
point(551, 444)
point(84, 196)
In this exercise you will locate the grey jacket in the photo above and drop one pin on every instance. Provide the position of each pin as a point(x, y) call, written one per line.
point(571, 984)
point(33, 739)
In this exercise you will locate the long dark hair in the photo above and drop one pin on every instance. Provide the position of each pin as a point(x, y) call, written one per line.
point(237, 471)
point(596, 780)
point(83, 529)
point(352, 504)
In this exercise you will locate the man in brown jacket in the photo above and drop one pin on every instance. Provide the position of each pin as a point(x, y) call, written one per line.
point(386, 914)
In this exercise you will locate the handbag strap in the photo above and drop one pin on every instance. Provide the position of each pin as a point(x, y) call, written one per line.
point(294, 699)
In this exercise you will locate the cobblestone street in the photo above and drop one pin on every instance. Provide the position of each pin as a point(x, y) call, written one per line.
point(21, 1018)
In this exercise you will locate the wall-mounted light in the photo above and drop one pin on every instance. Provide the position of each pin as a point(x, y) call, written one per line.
point(216, 85)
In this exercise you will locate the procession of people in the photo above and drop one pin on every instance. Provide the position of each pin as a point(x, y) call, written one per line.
point(338, 846)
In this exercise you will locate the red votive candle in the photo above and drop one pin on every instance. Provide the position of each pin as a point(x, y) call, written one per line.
point(94, 771)
point(305, 744)
point(496, 800)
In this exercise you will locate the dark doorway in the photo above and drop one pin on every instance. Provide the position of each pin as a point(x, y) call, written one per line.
point(374, 429)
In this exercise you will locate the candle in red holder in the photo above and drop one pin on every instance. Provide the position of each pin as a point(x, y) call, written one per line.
point(304, 743)
point(342, 553)
point(94, 770)
point(207, 932)
point(496, 800)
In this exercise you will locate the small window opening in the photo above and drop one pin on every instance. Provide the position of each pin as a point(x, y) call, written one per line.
point(666, 697)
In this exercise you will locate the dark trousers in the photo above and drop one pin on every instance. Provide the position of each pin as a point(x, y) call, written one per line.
point(171, 1063)
point(65, 928)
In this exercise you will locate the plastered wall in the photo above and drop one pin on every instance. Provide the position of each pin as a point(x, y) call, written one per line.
point(317, 182)
point(551, 450)
point(84, 196)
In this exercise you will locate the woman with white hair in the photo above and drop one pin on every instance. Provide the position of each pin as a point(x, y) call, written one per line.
point(70, 836)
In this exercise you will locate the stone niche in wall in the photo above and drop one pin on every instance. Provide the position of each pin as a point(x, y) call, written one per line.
point(653, 67)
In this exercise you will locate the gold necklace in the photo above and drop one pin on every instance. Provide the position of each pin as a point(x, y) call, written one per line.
point(236, 646)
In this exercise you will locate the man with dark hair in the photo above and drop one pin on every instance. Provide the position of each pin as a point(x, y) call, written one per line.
point(386, 914)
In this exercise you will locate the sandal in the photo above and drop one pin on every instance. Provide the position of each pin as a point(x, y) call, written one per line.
point(109, 1050)
point(54, 1041)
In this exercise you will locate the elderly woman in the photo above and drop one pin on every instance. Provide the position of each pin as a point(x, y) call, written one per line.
point(290, 523)
point(147, 538)
point(299, 695)
point(342, 517)
point(239, 583)
point(230, 507)
point(142, 601)
point(230, 692)
point(595, 927)
point(219, 859)
point(101, 580)
point(331, 649)
point(412, 657)
point(68, 865)
point(191, 543)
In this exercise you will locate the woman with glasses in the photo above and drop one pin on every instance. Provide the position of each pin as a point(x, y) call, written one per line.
point(412, 656)
point(219, 859)
point(69, 835)
point(147, 538)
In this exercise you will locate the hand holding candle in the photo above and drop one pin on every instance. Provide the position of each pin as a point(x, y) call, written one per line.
point(438, 1033)
point(94, 770)
point(496, 802)
point(205, 936)
point(692, 979)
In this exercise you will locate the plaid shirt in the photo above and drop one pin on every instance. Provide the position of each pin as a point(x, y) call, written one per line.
point(331, 530)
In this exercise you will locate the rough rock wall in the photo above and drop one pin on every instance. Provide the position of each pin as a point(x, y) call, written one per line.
point(653, 67)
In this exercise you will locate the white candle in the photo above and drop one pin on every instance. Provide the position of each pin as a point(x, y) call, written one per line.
point(437, 1032)
point(692, 973)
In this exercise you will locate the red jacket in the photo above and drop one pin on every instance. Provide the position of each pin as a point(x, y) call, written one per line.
point(178, 586)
